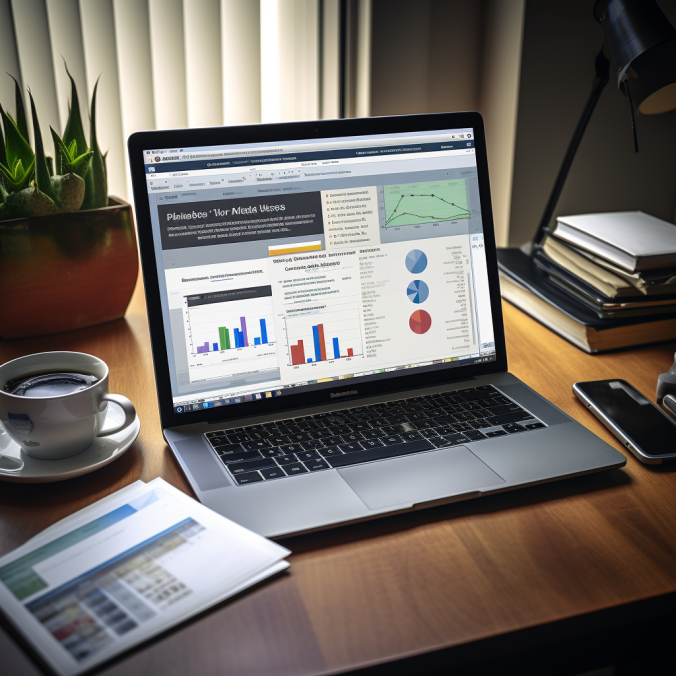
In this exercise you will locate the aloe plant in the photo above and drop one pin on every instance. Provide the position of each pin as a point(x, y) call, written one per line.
point(32, 184)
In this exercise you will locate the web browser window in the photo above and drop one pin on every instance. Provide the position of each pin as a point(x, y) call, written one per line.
point(299, 264)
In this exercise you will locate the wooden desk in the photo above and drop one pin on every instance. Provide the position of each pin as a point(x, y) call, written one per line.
point(453, 585)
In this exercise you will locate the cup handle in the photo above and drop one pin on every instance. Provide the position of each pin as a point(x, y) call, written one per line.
point(127, 407)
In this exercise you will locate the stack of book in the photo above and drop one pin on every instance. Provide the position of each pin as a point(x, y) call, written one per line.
point(602, 281)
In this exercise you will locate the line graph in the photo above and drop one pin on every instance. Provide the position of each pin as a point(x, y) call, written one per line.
point(425, 202)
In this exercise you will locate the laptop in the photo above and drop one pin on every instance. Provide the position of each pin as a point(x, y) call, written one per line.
point(326, 326)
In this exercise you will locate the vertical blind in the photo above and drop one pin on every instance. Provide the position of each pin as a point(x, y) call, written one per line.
point(176, 63)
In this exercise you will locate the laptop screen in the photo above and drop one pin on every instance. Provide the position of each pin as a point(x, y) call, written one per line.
point(286, 267)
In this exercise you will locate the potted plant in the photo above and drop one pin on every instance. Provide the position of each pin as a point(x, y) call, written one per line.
point(68, 256)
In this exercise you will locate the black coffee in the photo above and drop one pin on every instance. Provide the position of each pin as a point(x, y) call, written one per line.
point(49, 384)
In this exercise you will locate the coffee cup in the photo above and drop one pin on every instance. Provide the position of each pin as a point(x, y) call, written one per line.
point(64, 423)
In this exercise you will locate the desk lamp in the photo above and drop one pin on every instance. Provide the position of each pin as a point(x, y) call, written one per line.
point(640, 45)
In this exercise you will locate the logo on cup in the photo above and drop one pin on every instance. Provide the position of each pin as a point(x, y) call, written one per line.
point(30, 443)
point(21, 423)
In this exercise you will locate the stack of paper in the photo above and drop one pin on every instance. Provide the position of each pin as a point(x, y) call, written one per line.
point(124, 569)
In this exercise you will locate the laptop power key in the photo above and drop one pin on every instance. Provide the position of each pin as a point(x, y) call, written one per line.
point(380, 453)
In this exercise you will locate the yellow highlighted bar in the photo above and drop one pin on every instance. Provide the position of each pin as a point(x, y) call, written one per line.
point(301, 247)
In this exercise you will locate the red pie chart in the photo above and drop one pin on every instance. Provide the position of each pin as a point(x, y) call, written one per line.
point(420, 321)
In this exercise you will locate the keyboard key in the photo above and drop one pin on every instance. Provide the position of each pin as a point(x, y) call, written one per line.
point(508, 418)
point(248, 478)
point(380, 453)
point(333, 441)
point(286, 459)
point(237, 438)
point(393, 429)
point(242, 455)
point(308, 455)
point(299, 436)
point(513, 428)
point(454, 439)
point(499, 410)
point(464, 416)
point(334, 450)
point(497, 433)
point(297, 468)
point(312, 444)
point(474, 435)
point(260, 434)
point(429, 432)
point(272, 452)
point(290, 448)
point(473, 406)
point(247, 466)
point(355, 436)
point(315, 465)
point(273, 473)
point(351, 448)
point(256, 445)
point(374, 434)
point(371, 443)
point(211, 435)
point(216, 442)
point(360, 426)
point(534, 426)
point(391, 440)
point(462, 427)
point(227, 449)
point(480, 423)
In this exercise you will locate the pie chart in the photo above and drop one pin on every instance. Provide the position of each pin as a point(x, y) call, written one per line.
point(417, 291)
point(420, 322)
point(416, 261)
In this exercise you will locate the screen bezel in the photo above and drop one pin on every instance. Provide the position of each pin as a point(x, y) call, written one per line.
point(292, 131)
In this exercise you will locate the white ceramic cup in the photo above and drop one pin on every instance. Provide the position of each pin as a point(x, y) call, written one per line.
point(50, 428)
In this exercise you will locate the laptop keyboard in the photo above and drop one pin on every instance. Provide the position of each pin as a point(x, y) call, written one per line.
point(312, 443)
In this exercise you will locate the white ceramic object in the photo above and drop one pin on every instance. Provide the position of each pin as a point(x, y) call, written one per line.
point(58, 426)
point(16, 466)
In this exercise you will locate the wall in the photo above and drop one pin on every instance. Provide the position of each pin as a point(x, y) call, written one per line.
point(436, 56)
point(560, 43)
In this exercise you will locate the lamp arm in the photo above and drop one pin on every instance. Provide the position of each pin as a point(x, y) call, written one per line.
point(601, 78)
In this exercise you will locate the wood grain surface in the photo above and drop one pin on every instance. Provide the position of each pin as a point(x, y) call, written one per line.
point(407, 585)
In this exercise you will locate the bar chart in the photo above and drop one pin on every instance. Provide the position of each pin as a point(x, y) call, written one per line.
point(222, 321)
point(324, 336)
point(240, 337)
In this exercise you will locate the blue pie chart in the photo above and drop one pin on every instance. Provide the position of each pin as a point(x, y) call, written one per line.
point(416, 261)
point(417, 291)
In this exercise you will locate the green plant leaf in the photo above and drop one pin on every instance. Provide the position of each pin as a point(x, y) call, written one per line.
point(21, 122)
point(3, 154)
point(17, 179)
point(16, 145)
point(66, 163)
point(72, 150)
point(50, 165)
point(96, 180)
point(43, 181)
point(74, 130)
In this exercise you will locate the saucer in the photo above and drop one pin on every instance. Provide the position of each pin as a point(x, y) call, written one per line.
point(101, 451)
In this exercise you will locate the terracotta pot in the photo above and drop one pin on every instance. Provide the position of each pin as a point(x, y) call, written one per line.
point(66, 271)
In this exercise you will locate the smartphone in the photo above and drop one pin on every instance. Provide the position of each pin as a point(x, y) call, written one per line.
point(640, 425)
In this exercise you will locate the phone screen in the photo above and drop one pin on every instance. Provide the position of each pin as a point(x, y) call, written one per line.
point(650, 429)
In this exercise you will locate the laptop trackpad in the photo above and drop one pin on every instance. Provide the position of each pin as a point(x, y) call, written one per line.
point(413, 479)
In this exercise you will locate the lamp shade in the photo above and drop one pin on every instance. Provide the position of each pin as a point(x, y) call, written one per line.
point(641, 44)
